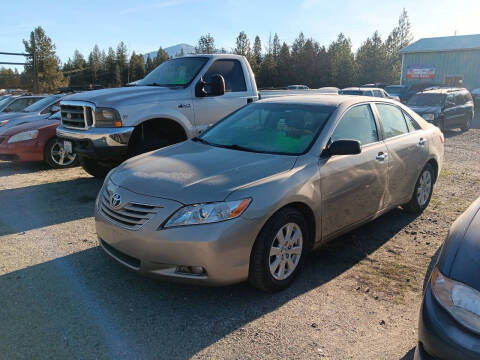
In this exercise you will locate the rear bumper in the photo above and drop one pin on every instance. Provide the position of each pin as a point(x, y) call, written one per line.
point(441, 337)
point(98, 143)
point(29, 150)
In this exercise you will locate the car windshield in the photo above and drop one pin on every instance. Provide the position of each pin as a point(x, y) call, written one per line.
point(288, 129)
point(426, 100)
point(394, 90)
point(351, 92)
point(41, 104)
point(175, 72)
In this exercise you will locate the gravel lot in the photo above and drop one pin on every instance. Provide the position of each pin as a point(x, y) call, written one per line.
point(62, 297)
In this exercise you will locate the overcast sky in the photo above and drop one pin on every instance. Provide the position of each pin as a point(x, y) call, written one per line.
point(146, 25)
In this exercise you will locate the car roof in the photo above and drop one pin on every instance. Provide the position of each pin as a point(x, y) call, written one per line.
point(441, 90)
point(360, 89)
point(323, 99)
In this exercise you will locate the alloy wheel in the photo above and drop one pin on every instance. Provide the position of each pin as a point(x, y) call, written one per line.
point(285, 251)
point(424, 188)
point(59, 156)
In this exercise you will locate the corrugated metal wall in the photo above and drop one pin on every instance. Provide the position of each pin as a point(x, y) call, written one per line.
point(464, 63)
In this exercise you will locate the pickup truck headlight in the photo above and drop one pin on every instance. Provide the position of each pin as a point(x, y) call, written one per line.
point(105, 117)
point(208, 213)
point(460, 300)
point(23, 136)
point(429, 117)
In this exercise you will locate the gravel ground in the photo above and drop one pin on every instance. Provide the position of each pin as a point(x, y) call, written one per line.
point(358, 298)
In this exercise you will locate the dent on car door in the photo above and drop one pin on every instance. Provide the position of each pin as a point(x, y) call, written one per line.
point(407, 147)
point(210, 109)
point(353, 186)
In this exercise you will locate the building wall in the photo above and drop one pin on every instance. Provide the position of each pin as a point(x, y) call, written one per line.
point(465, 63)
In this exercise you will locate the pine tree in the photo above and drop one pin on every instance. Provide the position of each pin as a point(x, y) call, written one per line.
point(256, 55)
point(372, 61)
point(161, 57)
point(110, 68)
point(122, 61)
point(136, 67)
point(50, 77)
point(206, 45)
point(148, 65)
point(399, 38)
point(284, 66)
point(276, 47)
point(242, 45)
point(95, 65)
point(342, 62)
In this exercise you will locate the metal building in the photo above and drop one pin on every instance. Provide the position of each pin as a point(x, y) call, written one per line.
point(451, 60)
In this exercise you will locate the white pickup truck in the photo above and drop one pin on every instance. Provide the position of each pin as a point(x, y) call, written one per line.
point(176, 101)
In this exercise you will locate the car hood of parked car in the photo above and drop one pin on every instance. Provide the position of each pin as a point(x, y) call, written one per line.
point(130, 95)
point(12, 115)
point(426, 109)
point(460, 257)
point(27, 118)
point(32, 125)
point(192, 172)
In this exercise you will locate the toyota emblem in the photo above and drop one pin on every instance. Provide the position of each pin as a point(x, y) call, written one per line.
point(115, 200)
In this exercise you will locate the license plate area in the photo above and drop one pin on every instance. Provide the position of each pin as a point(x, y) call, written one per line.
point(67, 146)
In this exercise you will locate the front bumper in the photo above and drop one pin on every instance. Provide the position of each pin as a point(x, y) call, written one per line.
point(28, 150)
point(222, 249)
point(99, 143)
point(441, 337)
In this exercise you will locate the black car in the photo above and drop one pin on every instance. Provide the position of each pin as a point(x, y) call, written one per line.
point(447, 108)
point(449, 324)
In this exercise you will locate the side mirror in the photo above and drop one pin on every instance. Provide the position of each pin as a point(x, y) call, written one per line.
point(216, 87)
point(54, 109)
point(343, 147)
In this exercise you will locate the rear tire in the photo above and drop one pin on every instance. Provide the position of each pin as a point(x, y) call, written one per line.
point(423, 191)
point(56, 157)
point(468, 123)
point(92, 167)
point(279, 251)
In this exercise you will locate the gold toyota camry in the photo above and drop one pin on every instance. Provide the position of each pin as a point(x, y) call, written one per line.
point(251, 196)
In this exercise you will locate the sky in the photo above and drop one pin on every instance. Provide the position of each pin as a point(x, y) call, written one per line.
point(145, 25)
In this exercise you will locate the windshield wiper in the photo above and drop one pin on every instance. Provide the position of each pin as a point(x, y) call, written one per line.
point(203, 141)
point(239, 147)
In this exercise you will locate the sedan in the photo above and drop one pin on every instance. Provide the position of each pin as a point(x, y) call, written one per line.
point(251, 196)
point(42, 108)
point(449, 325)
point(36, 140)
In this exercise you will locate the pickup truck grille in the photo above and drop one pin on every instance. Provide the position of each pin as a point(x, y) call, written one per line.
point(131, 215)
point(77, 116)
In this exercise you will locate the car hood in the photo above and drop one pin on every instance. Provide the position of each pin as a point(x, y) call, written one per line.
point(27, 118)
point(32, 125)
point(192, 172)
point(129, 94)
point(426, 109)
point(460, 256)
point(12, 115)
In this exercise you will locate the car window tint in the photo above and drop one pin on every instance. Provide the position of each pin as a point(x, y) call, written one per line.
point(392, 119)
point(17, 105)
point(358, 124)
point(232, 72)
point(459, 99)
point(377, 93)
point(411, 123)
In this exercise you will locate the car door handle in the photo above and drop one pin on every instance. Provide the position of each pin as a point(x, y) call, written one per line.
point(422, 141)
point(381, 156)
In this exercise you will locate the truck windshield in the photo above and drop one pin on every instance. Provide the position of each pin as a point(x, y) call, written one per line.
point(175, 72)
point(427, 100)
point(394, 90)
point(288, 129)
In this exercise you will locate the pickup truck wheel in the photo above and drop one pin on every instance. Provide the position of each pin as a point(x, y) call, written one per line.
point(56, 157)
point(279, 251)
point(92, 167)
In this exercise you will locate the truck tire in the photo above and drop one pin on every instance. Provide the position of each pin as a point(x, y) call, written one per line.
point(92, 167)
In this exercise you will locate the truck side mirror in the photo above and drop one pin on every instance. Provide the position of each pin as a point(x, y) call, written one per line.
point(216, 86)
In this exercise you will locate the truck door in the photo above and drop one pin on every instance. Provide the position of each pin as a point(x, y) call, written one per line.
point(210, 109)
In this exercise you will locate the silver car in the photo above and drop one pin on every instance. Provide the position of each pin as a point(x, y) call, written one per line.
point(251, 196)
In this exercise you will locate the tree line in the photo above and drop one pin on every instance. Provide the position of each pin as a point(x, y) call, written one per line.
point(275, 64)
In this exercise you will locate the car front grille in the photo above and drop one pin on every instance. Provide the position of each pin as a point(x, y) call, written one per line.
point(77, 116)
point(130, 215)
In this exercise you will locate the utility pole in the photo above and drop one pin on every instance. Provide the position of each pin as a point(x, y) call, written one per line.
point(34, 61)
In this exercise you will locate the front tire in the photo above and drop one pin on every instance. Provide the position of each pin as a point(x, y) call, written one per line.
point(56, 157)
point(468, 123)
point(279, 251)
point(423, 191)
point(94, 168)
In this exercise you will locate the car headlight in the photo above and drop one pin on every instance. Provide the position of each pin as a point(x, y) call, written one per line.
point(4, 122)
point(105, 117)
point(23, 136)
point(429, 117)
point(208, 213)
point(460, 300)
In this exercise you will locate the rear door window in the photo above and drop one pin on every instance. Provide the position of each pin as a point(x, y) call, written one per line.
point(411, 123)
point(18, 105)
point(232, 72)
point(377, 93)
point(358, 124)
point(459, 99)
point(392, 119)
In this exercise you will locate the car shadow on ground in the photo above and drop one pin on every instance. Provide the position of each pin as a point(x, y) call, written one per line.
point(86, 305)
point(8, 168)
point(409, 355)
point(47, 204)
